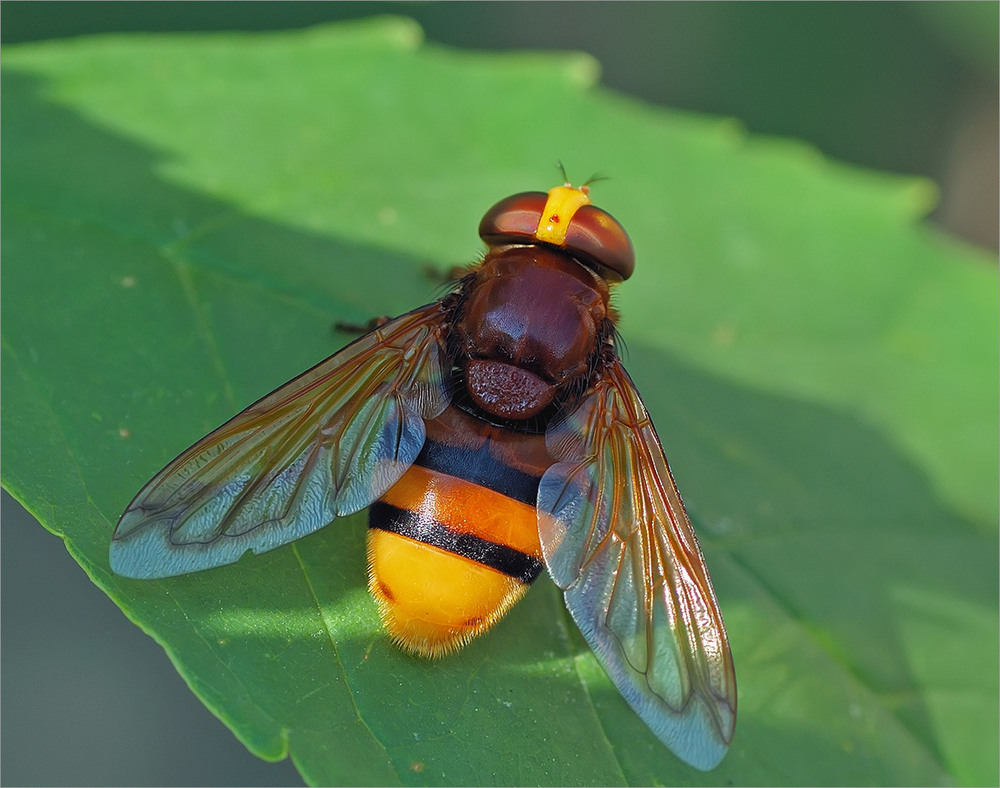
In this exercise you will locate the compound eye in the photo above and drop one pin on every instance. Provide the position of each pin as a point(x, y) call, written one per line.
point(597, 236)
point(514, 219)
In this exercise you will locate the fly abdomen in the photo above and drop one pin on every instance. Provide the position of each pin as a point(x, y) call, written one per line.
point(454, 543)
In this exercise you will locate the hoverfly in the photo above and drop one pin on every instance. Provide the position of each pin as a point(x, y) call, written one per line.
point(492, 433)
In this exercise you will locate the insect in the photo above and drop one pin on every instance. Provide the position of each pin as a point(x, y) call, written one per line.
point(492, 433)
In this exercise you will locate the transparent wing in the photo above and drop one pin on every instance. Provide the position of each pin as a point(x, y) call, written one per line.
point(324, 445)
point(616, 539)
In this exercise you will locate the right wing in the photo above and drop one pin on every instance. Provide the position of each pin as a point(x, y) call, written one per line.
point(324, 445)
point(616, 539)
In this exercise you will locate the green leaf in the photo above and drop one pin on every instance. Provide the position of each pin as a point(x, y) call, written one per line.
point(186, 216)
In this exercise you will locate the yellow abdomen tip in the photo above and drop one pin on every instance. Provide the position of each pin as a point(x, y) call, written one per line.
point(432, 601)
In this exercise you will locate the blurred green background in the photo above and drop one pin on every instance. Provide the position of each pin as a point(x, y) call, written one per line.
point(904, 87)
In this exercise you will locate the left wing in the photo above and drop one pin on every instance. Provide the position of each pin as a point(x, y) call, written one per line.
point(324, 445)
point(616, 539)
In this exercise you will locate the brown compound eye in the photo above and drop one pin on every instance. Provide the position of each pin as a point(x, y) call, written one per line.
point(514, 219)
point(596, 234)
point(563, 218)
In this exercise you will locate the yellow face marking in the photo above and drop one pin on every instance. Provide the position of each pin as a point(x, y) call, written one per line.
point(563, 202)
